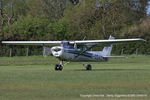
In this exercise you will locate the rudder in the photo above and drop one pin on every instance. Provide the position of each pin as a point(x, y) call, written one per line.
point(107, 49)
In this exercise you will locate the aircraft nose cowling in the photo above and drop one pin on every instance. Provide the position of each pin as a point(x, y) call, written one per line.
point(56, 51)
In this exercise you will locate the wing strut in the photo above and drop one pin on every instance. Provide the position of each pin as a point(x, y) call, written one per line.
point(85, 50)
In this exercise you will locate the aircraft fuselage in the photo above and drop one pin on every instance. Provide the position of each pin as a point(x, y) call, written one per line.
point(69, 53)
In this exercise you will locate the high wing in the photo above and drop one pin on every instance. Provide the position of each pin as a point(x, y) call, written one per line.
point(83, 42)
point(91, 42)
point(32, 42)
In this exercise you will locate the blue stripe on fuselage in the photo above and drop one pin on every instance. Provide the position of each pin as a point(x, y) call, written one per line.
point(67, 47)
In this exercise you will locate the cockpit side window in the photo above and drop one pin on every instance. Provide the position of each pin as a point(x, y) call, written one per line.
point(81, 48)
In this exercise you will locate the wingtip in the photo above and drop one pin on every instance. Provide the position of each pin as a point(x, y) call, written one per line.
point(142, 39)
point(2, 42)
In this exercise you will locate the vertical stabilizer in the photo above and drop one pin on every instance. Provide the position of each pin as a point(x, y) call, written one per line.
point(107, 49)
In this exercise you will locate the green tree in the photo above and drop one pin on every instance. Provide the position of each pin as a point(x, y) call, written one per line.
point(27, 28)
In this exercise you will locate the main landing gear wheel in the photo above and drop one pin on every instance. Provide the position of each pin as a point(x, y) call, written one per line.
point(88, 67)
point(58, 67)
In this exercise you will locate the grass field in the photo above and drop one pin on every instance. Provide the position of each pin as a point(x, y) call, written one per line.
point(34, 78)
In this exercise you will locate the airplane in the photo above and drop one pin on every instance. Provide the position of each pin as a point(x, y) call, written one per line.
point(78, 51)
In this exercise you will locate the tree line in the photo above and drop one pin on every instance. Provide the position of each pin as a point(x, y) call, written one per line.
point(74, 20)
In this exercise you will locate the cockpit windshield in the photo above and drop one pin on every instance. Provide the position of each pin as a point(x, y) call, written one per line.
point(68, 45)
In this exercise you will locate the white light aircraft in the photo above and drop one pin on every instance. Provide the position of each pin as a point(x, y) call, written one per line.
point(78, 51)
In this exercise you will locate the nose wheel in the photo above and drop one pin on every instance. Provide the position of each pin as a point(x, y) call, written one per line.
point(58, 67)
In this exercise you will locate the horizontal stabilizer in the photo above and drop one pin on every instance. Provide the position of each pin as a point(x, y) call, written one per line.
point(114, 57)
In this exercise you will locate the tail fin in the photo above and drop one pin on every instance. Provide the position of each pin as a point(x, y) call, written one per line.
point(107, 50)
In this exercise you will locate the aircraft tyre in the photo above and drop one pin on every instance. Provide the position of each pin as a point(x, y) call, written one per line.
point(58, 67)
point(88, 67)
